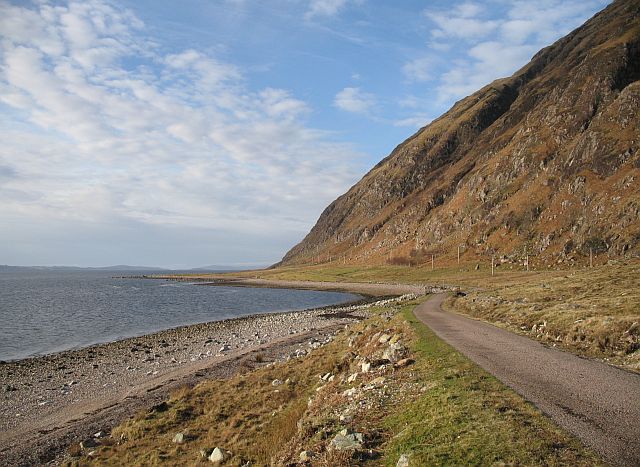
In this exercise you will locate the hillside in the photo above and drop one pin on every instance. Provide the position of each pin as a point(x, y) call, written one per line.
point(543, 163)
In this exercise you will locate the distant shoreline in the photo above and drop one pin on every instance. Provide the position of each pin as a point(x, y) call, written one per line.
point(369, 289)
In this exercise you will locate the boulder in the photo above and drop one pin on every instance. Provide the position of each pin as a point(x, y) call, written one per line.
point(179, 438)
point(347, 441)
point(394, 352)
point(218, 455)
point(384, 338)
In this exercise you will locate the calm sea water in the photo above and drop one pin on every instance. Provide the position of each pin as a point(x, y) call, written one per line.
point(43, 312)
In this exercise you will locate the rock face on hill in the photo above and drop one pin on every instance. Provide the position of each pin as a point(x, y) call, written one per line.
point(545, 162)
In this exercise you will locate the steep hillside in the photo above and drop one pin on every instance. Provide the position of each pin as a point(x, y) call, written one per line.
point(545, 163)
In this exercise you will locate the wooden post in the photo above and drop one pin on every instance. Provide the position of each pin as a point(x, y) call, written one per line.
point(492, 265)
point(527, 262)
point(458, 254)
point(432, 262)
point(590, 257)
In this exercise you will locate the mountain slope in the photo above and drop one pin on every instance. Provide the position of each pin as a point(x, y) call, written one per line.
point(545, 162)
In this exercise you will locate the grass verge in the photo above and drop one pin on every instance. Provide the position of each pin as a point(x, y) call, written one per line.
point(467, 417)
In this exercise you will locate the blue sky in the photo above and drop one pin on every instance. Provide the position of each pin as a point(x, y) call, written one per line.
point(201, 132)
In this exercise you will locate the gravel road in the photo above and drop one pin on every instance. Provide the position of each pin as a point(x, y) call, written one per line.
point(598, 403)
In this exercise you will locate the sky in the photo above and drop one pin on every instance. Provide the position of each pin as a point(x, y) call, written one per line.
point(191, 133)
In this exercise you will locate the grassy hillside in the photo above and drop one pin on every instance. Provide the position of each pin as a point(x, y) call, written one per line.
point(543, 162)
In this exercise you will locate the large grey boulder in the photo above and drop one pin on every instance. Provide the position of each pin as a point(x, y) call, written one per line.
point(347, 441)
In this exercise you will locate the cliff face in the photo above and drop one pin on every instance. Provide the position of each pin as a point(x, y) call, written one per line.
point(545, 161)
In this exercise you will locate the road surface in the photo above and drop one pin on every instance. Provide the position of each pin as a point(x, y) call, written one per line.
point(598, 403)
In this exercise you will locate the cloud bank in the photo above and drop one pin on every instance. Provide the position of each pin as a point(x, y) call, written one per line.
point(103, 127)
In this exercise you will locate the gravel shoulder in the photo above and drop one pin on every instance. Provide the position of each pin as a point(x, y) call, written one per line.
point(597, 402)
point(51, 401)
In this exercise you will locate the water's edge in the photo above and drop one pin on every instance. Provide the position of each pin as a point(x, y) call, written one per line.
point(361, 299)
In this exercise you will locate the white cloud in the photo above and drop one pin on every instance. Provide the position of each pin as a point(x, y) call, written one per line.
point(468, 10)
point(324, 8)
point(354, 100)
point(497, 43)
point(172, 140)
point(419, 69)
point(461, 23)
point(416, 121)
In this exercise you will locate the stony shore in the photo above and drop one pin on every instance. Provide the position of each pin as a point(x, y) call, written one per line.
point(50, 400)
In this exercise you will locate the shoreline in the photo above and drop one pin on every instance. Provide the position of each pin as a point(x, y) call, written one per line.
point(362, 299)
point(367, 289)
point(50, 401)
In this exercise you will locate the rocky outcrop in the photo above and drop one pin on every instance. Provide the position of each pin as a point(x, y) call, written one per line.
point(545, 163)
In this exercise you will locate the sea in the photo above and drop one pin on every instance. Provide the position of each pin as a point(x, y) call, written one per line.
point(48, 311)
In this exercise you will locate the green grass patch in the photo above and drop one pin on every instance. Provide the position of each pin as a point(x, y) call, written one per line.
point(464, 416)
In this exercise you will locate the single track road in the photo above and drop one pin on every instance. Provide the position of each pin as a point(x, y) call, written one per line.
point(598, 403)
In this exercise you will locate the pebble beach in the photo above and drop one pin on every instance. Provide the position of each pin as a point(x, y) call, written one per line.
point(56, 396)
